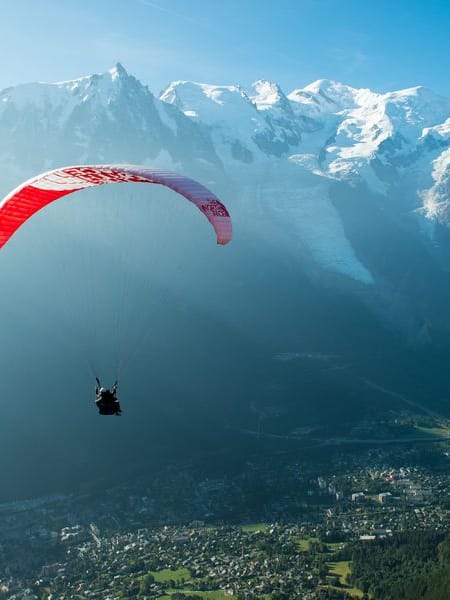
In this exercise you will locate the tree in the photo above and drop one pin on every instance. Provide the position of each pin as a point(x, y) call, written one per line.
point(146, 583)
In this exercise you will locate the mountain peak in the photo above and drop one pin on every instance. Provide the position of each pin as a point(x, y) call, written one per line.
point(333, 92)
point(417, 90)
point(267, 93)
point(324, 132)
point(419, 95)
point(118, 71)
point(325, 85)
point(207, 101)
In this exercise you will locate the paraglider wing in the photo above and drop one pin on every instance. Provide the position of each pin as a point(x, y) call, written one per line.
point(34, 194)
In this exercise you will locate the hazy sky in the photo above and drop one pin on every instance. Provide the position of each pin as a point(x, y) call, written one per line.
point(382, 44)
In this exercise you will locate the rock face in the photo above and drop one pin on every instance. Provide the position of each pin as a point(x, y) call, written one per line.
point(285, 154)
point(93, 119)
point(340, 201)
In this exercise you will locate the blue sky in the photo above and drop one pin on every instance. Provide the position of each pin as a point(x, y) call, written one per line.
point(380, 44)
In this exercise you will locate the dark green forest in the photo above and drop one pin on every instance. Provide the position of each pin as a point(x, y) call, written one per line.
point(409, 566)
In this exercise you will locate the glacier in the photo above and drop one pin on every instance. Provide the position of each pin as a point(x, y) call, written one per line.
point(282, 153)
point(338, 273)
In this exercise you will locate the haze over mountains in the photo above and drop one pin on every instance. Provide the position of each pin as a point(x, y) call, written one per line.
point(308, 141)
point(331, 304)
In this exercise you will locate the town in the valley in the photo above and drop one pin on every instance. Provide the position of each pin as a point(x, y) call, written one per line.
point(277, 529)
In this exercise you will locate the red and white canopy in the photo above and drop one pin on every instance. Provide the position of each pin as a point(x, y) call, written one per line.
point(32, 195)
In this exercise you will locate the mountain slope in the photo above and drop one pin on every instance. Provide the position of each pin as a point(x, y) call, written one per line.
point(330, 306)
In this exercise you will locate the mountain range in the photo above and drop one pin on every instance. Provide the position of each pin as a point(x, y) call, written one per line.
point(307, 143)
point(332, 304)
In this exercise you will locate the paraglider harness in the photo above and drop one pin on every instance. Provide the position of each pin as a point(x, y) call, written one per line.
point(106, 400)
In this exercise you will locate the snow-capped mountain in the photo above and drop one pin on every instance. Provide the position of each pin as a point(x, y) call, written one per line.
point(335, 130)
point(296, 146)
point(318, 171)
point(92, 118)
point(340, 200)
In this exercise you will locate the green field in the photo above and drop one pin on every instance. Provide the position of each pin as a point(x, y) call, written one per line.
point(212, 595)
point(168, 574)
point(252, 527)
point(303, 544)
point(341, 569)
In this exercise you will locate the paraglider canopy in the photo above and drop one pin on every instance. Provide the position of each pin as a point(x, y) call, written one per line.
point(32, 195)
